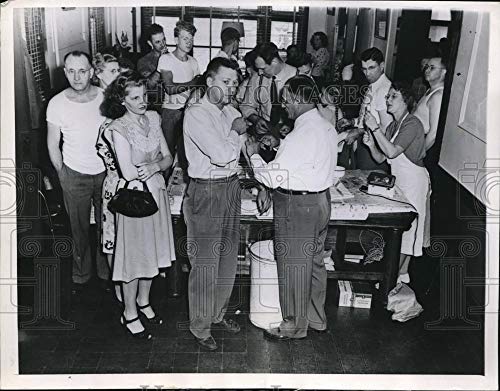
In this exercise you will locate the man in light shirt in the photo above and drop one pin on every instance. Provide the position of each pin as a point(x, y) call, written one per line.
point(373, 66)
point(258, 106)
point(212, 205)
point(230, 39)
point(74, 114)
point(179, 73)
point(300, 175)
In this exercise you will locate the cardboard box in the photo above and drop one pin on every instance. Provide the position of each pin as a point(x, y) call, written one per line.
point(354, 294)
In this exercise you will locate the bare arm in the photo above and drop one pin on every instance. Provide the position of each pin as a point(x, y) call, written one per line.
point(434, 106)
point(124, 157)
point(385, 119)
point(53, 140)
point(172, 88)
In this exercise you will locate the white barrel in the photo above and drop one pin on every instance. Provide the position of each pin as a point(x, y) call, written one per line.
point(265, 310)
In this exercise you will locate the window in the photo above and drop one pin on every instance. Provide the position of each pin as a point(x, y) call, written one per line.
point(168, 24)
point(281, 25)
point(35, 30)
point(282, 34)
point(96, 28)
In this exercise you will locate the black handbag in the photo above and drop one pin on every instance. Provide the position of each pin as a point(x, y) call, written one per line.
point(133, 202)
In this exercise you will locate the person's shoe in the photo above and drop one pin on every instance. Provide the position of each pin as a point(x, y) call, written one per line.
point(142, 335)
point(276, 334)
point(231, 326)
point(155, 319)
point(207, 343)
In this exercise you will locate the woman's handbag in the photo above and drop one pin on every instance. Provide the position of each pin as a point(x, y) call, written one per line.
point(133, 202)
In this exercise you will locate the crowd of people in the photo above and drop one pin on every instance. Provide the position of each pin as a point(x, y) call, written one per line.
point(284, 120)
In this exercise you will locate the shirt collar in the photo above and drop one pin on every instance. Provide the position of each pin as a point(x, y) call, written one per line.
point(381, 80)
point(211, 107)
point(307, 116)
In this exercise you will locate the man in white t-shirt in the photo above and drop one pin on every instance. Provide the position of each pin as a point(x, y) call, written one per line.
point(373, 66)
point(75, 114)
point(179, 73)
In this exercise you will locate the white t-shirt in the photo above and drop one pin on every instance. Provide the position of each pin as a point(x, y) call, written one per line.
point(182, 72)
point(79, 123)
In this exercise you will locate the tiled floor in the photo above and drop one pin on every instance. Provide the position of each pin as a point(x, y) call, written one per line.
point(358, 341)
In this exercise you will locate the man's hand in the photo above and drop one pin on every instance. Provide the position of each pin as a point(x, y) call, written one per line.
point(343, 124)
point(239, 125)
point(370, 121)
point(268, 141)
point(368, 139)
point(352, 135)
point(284, 130)
point(261, 126)
point(263, 200)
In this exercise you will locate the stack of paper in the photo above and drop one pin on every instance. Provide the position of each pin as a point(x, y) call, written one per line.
point(339, 192)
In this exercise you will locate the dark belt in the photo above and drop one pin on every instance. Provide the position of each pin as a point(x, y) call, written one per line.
point(298, 192)
point(215, 180)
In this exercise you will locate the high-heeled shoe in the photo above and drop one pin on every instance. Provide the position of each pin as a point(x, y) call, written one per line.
point(143, 335)
point(155, 319)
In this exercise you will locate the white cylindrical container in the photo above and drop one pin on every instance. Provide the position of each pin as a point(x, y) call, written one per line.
point(265, 310)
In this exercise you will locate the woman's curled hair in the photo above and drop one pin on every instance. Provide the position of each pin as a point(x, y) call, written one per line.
point(115, 93)
point(406, 92)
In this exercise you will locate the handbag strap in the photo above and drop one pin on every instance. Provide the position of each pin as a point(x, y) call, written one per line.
point(144, 186)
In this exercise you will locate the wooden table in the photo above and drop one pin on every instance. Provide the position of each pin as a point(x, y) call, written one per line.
point(363, 211)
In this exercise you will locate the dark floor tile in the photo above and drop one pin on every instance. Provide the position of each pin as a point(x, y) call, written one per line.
point(351, 356)
point(234, 345)
point(164, 345)
point(30, 360)
point(87, 359)
point(161, 362)
point(304, 363)
point(258, 359)
point(328, 363)
point(210, 363)
point(134, 345)
point(186, 345)
point(117, 360)
point(185, 363)
point(234, 363)
point(59, 360)
point(302, 347)
point(69, 344)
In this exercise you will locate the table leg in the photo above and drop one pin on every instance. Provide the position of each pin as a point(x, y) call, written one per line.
point(175, 271)
point(340, 245)
point(392, 251)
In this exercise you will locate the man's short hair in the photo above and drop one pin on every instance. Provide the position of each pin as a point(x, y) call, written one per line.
point(304, 89)
point(249, 59)
point(78, 53)
point(229, 35)
point(268, 51)
point(186, 26)
point(218, 62)
point(373, 54)
point(153, 29)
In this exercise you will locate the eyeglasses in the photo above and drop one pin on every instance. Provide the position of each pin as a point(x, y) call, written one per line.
point(431, 67)
point(80, 72)
point(392, 96)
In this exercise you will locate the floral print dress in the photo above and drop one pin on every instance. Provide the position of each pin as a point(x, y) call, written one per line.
point(108, 188)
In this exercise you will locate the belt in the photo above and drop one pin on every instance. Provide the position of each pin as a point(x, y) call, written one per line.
point(215, 180)
point(298, 192)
